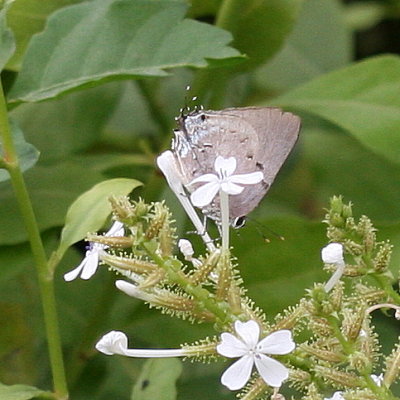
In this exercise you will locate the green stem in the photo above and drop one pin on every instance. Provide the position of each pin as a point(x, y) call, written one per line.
point(347, 347)
point(203, 296)
point(10, 159)
point(386, 284)
point(229, 12)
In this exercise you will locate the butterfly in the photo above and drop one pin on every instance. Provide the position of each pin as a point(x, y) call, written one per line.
point(260, 139)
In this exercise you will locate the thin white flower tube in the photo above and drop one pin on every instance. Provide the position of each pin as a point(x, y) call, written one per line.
point(116, 342)
point(168, 166)
point(88, 267)
point(251, 351)
point(333, 254)
point(132, 290)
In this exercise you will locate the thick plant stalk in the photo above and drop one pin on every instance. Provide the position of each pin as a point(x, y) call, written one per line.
point(10, 162)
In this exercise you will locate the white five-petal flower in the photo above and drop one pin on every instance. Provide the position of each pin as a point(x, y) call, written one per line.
point(224, 180)
point(88, 267)
point(251, 350)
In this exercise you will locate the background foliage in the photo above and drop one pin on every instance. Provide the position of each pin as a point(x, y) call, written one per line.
point(95, 87)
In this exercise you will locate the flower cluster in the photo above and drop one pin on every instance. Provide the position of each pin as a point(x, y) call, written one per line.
point(339, 349)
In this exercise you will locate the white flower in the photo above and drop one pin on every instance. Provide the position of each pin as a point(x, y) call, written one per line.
point(116, 342)
point(186, 249)
point(251, 350)
point(336, 396)
point(223, 180)
point(87, 268)
point(332, 253)
point(378, 379)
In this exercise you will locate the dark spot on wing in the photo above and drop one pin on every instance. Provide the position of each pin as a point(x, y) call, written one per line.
point(259, 166)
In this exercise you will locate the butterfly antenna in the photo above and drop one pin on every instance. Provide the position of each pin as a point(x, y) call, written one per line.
point(261, 228)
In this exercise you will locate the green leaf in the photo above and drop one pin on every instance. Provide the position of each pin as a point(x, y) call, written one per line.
point(7, 43)
point(19, 392)
point(100, 40)
point(27, 17)
point(158, 380)
point(362, 99)
point(52, 189)
point(276, 273)
point(27, 154)
point(259, 28)
point(338, 164)
point(65, 126)
point(90, 210)
point(303, 58)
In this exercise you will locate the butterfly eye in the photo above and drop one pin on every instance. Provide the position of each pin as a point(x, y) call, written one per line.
point(203, 117)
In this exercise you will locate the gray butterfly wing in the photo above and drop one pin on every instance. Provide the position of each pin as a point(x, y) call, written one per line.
point(259, 138)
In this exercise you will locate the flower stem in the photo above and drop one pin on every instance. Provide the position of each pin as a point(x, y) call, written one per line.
point(229, 12)
point(334, 279)
point(11, 163)
point(224, 204)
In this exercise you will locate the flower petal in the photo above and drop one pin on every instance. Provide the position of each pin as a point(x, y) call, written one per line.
point(71, 275)
point(378, 379)
point(167, 163)
point(249, 332)
point(225, 166)
point(205, 178)
point(333, 254)
point(114, 342)
point(279, 342)
point(230, 188)
point(247, 179)
point(272, 371)
point(92, 262)
point(117, 229)
point(238, 374)
point(231, 346)
point(205, 194)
